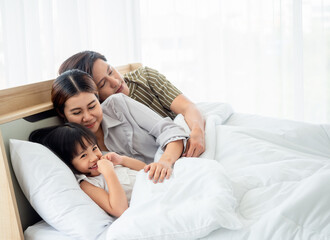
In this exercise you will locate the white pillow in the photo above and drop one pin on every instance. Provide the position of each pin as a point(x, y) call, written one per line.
point(196, 200)
point(52, 190)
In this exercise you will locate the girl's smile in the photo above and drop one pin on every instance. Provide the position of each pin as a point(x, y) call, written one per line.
point(86, 159)
point(94, 167)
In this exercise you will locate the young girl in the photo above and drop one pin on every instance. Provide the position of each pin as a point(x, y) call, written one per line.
point(120, 124)
point(108, 180)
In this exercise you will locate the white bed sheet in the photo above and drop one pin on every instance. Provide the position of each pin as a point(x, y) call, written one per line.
point(280, 171)
point(43, 231)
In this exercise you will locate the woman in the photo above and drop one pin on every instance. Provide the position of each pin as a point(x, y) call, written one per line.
point(144, 85)
point(120, 124)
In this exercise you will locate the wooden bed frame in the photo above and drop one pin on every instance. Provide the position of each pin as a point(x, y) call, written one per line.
point(19, 107)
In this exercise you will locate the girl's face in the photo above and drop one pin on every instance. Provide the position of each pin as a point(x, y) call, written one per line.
point(84, 109)
point(108, 80)
point(86, 160)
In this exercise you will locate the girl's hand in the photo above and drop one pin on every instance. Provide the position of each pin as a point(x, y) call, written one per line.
point(113, 157)
point(104, 166)
point(158, 171)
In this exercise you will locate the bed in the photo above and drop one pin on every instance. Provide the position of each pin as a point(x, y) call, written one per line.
point(260, 178)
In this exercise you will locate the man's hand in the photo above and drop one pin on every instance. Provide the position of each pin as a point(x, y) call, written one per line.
point(196, 144)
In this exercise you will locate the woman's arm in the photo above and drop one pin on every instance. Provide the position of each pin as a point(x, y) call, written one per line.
point(163, 168)
point(129, 162)
point(163, 130)
point(113, 202)
point(196, 143)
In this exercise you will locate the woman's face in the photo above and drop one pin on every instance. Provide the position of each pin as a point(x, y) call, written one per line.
point(108, 80)
point(84, 109)
point(86, 160)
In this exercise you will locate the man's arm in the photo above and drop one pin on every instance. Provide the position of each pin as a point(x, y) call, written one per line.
point(196, 143)
point(171, 98)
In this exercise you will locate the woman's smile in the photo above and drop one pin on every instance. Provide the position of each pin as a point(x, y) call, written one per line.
point(91, 125)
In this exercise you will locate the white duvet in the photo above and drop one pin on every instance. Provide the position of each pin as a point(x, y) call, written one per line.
point(195, 201)
point(260, 178)
point(279, 171)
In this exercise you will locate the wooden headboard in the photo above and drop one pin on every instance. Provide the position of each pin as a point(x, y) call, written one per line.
point(22, 110)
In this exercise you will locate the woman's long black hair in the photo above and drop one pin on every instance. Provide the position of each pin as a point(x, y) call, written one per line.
point(64, 139)
point(68, 84)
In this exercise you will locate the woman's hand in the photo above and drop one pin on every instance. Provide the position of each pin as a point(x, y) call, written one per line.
point(113, 157)
point(158, 171)
point(195, 144)
point(162, 169)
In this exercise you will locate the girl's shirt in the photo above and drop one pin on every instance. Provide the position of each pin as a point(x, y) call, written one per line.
point(132, 129)
point(126, 177)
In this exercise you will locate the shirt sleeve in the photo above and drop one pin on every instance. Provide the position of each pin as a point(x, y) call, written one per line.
point(164, 90)
point(163, 129)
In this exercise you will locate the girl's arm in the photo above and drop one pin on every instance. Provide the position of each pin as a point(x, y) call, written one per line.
point(113, 202)
point(133, 163)
point(163, 168)
point(129, 162)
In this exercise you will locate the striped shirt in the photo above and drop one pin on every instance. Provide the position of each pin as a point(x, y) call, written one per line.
point(151, 88)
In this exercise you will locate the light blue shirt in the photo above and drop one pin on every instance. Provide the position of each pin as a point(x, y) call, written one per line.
point(132, 129)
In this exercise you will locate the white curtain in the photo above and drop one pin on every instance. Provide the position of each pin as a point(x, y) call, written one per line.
point(36, 36)
point(268, 57)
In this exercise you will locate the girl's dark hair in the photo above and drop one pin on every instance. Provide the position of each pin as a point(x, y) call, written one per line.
point(69, 84)
point(83, 61)
point(64, 139)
